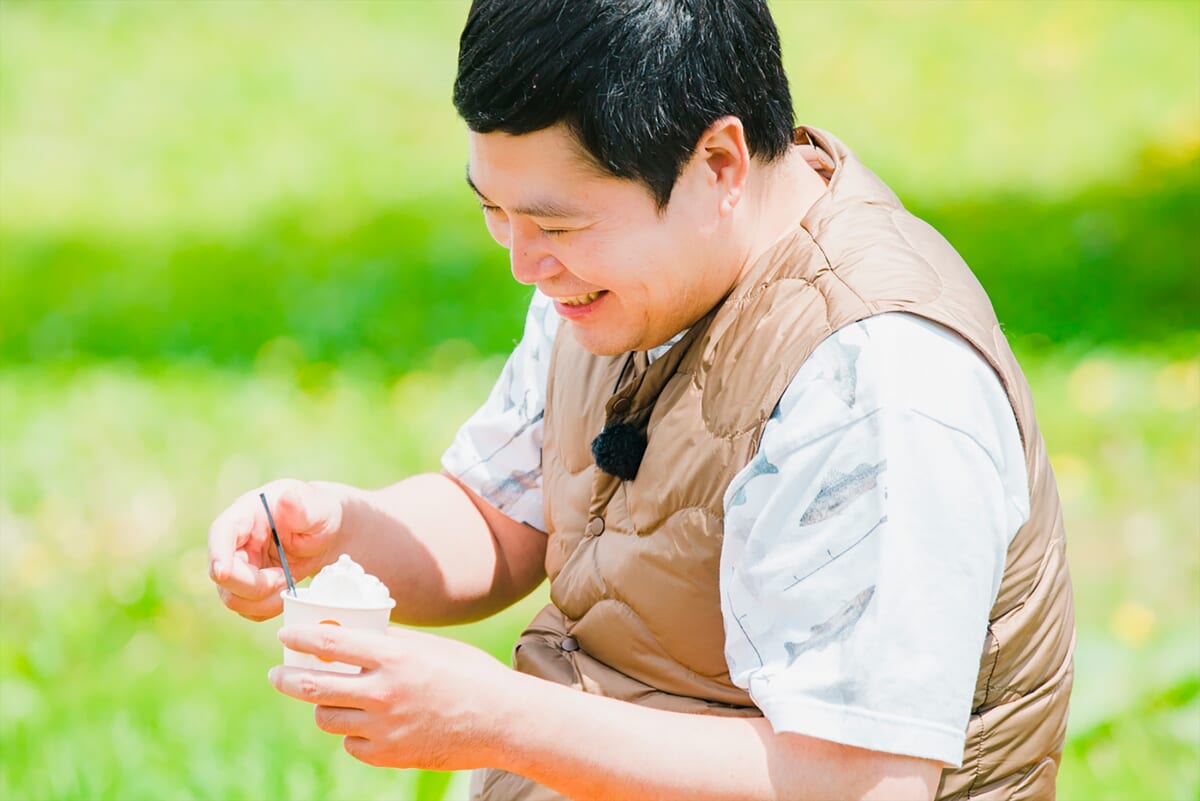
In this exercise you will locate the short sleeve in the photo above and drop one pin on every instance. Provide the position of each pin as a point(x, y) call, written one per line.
point(498, 451)
point(865, 544)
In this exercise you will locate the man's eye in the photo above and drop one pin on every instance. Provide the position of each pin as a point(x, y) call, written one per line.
point(553, 231)
point(489, 209)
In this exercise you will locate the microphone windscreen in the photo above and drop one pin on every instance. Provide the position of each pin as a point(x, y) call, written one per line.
point(618, 450)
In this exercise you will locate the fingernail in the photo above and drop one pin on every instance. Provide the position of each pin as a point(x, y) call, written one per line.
point(218, 569)
point(271, 674)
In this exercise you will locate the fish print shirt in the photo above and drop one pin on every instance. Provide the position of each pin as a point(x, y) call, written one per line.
point(865, 542)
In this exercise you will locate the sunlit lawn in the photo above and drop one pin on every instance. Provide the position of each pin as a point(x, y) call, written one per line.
point(189, 180)
point(122, 677)
point(235, 245)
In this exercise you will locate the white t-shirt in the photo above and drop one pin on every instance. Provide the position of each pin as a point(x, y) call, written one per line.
point(864, 544)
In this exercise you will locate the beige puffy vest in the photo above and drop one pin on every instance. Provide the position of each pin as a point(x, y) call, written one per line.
point(633, 565)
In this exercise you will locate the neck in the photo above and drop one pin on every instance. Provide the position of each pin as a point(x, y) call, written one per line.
point(782, 193)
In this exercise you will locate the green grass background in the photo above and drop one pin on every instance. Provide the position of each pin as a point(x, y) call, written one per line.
point(235, 244)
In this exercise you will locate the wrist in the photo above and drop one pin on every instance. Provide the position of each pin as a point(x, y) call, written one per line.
point(512, 724)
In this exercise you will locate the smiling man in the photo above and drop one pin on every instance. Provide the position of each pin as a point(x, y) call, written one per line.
point(622, 271)
point(762, 434)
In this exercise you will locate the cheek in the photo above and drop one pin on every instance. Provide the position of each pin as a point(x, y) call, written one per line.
point(500, 229)
point(622, 259)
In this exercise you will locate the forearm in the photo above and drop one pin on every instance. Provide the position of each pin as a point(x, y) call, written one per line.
point(590, 747)
point(428, 541)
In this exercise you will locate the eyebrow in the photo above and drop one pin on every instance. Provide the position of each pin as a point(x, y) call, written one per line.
point(546, 209)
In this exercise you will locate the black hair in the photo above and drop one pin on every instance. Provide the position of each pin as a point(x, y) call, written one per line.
point(636, 81)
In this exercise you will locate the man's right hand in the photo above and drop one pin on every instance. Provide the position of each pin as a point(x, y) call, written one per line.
point(242, 559)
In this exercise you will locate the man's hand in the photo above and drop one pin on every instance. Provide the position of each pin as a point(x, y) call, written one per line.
point(422, 701)
point(242, 559)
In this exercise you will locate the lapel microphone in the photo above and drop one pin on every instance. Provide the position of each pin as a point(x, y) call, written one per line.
point(618, 450)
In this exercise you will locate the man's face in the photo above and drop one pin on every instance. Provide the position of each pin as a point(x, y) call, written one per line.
point(622, 276)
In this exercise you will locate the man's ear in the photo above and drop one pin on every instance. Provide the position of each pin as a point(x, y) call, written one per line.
point(725, 158)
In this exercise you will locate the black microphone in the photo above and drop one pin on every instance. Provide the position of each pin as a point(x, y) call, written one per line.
point(618, 450)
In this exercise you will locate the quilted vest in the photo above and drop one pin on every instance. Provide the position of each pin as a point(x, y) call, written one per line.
point(633, 565)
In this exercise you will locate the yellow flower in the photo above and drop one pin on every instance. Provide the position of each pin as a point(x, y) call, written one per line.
point(1133, 623)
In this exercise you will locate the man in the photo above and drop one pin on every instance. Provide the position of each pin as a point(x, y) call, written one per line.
point(762, 433)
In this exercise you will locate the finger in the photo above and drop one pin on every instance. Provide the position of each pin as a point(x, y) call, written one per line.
point(319, 686)
point(340, 720)
point(257, 610)
point(336, 643)
point(363, 750)
point(232, 529)
point(247, 581)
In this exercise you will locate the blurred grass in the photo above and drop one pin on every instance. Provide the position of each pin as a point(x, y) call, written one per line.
point(235, 245)
point(120, 675)
point(114, 645)
point(196, 180)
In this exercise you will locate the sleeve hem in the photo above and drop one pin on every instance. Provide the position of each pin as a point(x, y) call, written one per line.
point(862, 728)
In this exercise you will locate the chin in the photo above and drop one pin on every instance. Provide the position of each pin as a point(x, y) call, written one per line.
point(597, 344)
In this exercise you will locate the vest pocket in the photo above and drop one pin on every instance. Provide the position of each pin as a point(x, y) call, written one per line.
point(500, 785)
point(540, 650)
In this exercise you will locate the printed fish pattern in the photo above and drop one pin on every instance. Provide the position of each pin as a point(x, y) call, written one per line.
point(504, 493)
point(761, 466)
point(840, 490)
point(835, 628)
point(738, 619)
point(845, 375)
point(845, 546)
point(545, 309)
point(507, 395)
point(516, 435)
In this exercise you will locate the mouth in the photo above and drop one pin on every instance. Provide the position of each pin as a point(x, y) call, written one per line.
point(580, 300)
point(578, 308)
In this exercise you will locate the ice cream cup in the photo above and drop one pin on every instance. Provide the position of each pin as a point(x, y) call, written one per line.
point(298, 610)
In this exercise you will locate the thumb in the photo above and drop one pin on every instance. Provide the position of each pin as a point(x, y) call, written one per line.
point(305, 509)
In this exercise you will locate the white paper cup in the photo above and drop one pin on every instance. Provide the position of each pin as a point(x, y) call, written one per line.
point(298, 610)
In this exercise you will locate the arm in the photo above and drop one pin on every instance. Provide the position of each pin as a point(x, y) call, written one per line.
point(446, 554)
point(429, 702)
point(649, 753)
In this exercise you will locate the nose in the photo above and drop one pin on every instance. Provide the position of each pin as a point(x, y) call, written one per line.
point(531, 261)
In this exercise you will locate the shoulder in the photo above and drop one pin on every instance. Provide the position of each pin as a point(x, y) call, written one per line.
point(898, 371)
point(895, 361)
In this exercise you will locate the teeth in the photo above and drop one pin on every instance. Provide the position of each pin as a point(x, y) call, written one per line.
point(579, 300)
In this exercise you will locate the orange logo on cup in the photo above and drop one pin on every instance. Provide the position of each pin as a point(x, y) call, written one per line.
point(327, 623)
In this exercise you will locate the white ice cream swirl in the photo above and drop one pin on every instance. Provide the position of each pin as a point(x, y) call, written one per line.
point(345, 583)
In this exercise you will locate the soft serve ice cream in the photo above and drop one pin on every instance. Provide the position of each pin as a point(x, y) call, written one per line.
point(345, 583)
point(342, 594)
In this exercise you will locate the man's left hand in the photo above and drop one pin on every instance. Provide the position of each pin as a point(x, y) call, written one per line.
point(421, 701)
